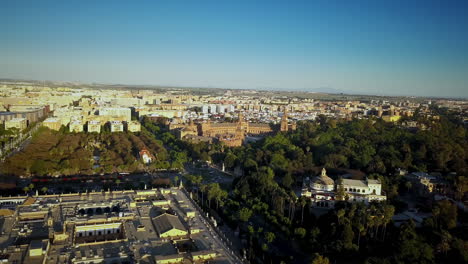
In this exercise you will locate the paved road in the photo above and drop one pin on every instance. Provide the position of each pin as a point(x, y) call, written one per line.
point(21, 143)
point(215, 232)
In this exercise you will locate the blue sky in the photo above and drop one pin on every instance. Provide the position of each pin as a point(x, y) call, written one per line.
point(374, 47)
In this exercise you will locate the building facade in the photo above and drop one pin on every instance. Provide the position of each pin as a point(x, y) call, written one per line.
point(133, 126)
point(116, 126)
point(94, 126)
point(18, 123)
point(323, 190)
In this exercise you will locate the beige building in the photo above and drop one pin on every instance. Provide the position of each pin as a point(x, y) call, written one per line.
point(94, 126)
point(169, 226)
point(52, 123)
point(76, 126)
point(133, 126)
point(119, 113)
point(18, 123)
point(116, 126)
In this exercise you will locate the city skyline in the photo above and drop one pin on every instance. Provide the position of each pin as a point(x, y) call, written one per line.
point(416, 49)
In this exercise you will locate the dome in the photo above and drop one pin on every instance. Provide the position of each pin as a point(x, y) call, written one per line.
point(323, 179)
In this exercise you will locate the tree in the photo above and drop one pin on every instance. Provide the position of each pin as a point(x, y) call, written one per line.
point(44, 190)
point(230, 160)
point(348, 236)
point(318, 259)
point(288, 180)
point(408, 185)
point(302, 203)
point(300, 232)
point(269, 237)
point(389, 211)
point(340, 192)
point(444, 245)
point(245, 214)
point(26, 189)
point(215, 193)
point(411, 248)
point(448, 214)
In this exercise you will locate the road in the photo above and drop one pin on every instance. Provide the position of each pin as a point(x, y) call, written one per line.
point(19, 143)
point(215, 232)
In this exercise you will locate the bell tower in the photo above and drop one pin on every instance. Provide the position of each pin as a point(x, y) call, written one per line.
point(284, 121)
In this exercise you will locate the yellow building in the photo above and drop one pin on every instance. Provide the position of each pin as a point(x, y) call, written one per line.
point(18, 123)
point(169, 226)
point(204, 255)
point(52, 123)
point(391, 118)
point(214, 129)
point(116, 126)
point(185, 130)
point(169, 259)
point(38, 247)
point(76, 126)
point(94, 126)
point(133, 126)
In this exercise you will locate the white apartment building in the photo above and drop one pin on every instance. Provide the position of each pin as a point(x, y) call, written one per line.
point(125, 114)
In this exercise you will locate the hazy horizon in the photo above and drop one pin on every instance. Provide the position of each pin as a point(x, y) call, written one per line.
point(392, 48)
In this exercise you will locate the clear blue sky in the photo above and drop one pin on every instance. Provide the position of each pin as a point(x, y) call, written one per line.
point(376, 47)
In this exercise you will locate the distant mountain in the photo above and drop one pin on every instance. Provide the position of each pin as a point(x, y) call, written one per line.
point(327, 90)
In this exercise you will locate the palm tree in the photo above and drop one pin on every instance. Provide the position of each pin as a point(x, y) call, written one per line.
point(302, 203)
point(408, 185)
point(360, 229)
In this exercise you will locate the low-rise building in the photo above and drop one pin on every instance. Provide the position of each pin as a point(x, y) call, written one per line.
point(116, 126)
point(146, 156)
point(94, 126)
point(18, 123)
point(52, 123)
point(116, 113)
point(169, 226)
point(76, 126)
point(323, 191)
point(133, 126)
